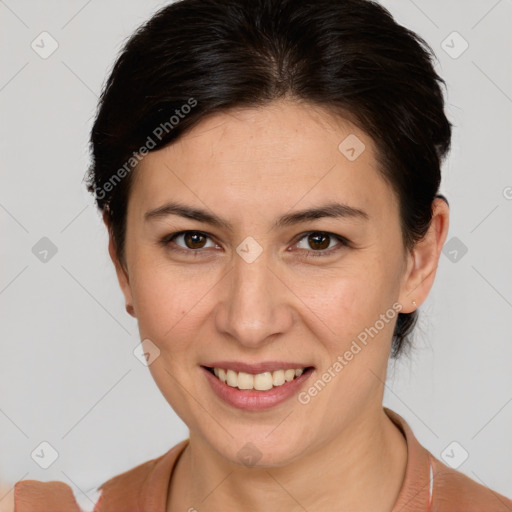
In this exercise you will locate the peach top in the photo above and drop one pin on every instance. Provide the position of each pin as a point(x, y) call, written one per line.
point(429, 486)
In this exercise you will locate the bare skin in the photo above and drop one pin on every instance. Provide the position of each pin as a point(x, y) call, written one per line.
point(7, 498)
point(250, 166)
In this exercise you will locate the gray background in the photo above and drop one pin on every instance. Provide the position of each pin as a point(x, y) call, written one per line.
point(68, 374)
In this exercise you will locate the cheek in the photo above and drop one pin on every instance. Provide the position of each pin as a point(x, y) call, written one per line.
point(348, 304)
point(163, 300)
point(344, 297)
point(360, 317)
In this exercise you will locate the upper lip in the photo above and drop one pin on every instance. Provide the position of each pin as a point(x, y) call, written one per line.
point(255, 368)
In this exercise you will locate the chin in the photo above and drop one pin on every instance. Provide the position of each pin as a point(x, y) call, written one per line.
point(261, 449)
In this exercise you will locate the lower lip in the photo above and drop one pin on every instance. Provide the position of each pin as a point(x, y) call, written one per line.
point(252, 400)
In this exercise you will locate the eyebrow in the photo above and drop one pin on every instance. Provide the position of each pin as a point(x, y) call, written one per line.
point(330, 210)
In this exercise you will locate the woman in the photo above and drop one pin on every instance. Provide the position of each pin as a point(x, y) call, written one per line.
point(268, 172)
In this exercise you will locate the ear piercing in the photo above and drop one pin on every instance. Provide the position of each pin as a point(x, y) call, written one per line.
point(414, 303)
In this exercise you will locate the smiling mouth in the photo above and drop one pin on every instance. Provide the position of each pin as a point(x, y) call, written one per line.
point(259, 382)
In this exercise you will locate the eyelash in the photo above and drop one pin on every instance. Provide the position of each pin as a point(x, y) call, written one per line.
point(165, 241)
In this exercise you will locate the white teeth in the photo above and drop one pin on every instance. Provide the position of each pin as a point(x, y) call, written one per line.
point(232, 378)
point(289, 375)
point(263, 381)
point(245, 380)
point(278, 378)
point(260, 382)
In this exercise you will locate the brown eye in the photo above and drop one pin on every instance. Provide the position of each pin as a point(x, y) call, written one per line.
point(193, 241)
point(318, 243)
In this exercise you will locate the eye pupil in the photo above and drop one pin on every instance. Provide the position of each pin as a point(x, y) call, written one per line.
point(191, 240)
point(315, 239)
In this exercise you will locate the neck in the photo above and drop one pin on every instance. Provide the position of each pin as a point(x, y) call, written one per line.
point(361, 469)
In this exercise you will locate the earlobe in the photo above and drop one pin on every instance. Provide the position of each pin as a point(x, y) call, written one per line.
point(424, 259)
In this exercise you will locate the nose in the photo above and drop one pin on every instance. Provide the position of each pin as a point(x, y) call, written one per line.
point(254, 303)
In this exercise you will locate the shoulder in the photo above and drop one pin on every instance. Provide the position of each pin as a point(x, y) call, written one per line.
point(134, 486)
point(454, 490)
point(31, 495)
point(148, 480)
point(431, 485)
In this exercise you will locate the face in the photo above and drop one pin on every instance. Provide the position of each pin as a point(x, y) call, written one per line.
point(263, 285)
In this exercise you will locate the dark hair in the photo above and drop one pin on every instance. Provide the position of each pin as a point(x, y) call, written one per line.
point(196, 57)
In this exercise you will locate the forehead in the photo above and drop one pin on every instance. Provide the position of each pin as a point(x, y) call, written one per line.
point(266, 159)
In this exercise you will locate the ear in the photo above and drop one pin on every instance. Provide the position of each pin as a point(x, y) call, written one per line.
point(424, 259)
point(122, 273)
